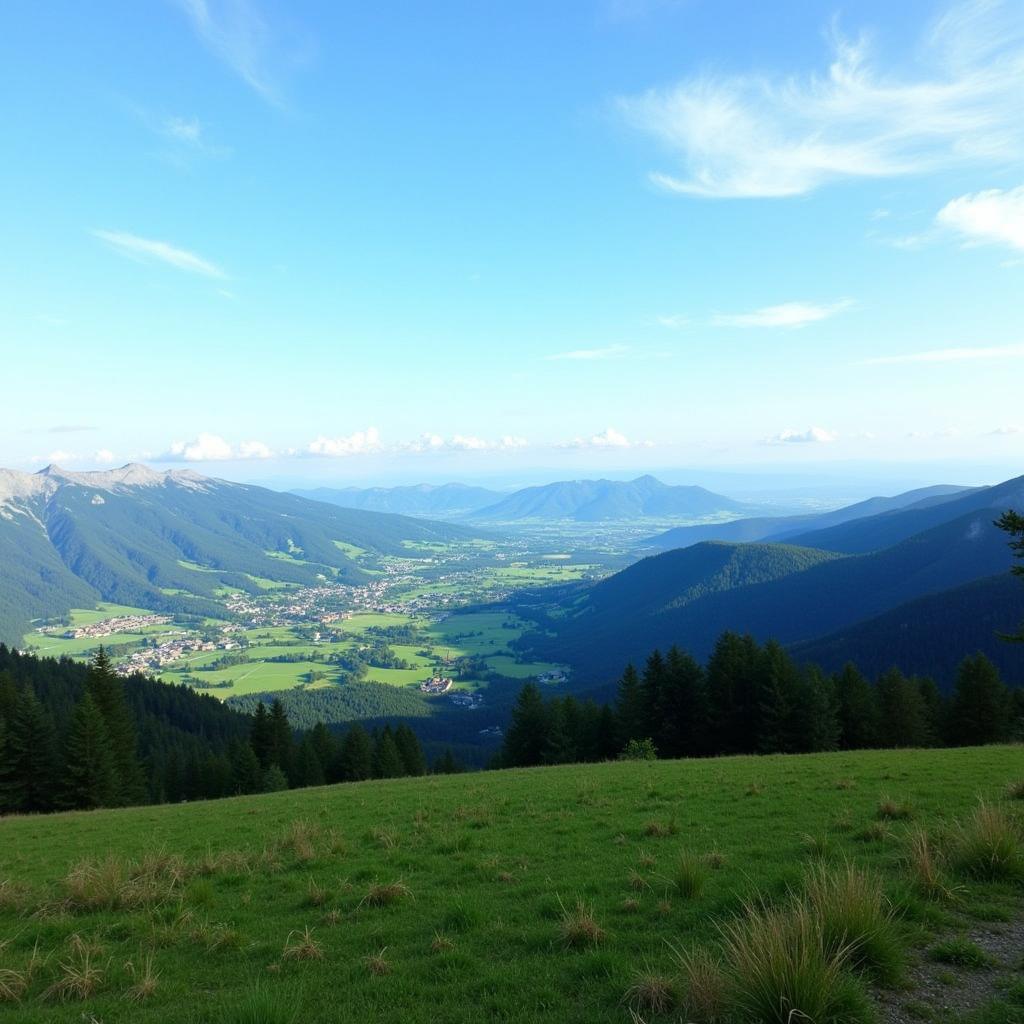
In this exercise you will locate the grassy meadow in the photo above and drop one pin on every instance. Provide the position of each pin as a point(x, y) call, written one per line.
point(569, 894)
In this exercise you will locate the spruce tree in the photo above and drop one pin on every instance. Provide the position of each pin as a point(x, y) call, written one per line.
point(107, 691)
point(980, 709)
point(387, 763)
point(308, 769)
point(356, 758)
point(261, 736)
point(856, 709)
point(629, 708)
point(684, 708)
point(90, 777)
point(327, 748)
point(282, 739)
point(526, 741)
point(901, 711)
point(274, 780)
point(409, 750)
point(246, 772)
point(29, 780)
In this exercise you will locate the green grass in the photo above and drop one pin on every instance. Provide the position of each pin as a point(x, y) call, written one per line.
point(521, 896)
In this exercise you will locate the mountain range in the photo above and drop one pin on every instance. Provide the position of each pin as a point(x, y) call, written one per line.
point(171, 540)
point(583, 501)
point(833, 593)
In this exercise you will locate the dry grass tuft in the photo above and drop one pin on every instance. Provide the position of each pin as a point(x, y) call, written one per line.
point(844, 784)
point(629, 905)
point(689, 875)
point(893, 810)
point(1015, 790)
point(441, 943)
point(302, 946)
point(579, 927)
point(661, 829)
point(146, 978)
point(300, 840)
point(316, 895)
point(12, 985)
point(715, 860)
point(384, 894)
point(79, 978)
point(988, 846)
point(704, 985)
point(925, 865)
point(333, 918)
point(377, 964)
point(645, 860)
point(386, 837)
point(652, 992)
point(754, 789)
point(637, 882)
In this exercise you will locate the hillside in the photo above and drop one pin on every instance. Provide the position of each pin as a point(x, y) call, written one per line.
point(455, 898)
point(442, 500)
point(931, 635)
point(882, 531)
point(172, 541)
point(607, 626)
point(780, 528)
point(599, 500)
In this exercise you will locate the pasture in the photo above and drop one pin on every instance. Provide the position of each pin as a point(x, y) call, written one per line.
point(569, 894)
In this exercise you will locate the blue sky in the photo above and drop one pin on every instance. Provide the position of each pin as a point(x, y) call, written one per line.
point(330, 240)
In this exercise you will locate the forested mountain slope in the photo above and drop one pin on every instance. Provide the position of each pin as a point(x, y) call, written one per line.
point(171, 541)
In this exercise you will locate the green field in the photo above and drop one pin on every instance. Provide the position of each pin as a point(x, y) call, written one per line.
point(478, 879)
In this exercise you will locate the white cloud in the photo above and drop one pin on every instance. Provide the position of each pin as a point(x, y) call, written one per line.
point(992, 216)
point(461, 443)
point(162, 252)
point(184, 129)
point(757, 135)
point(255, 450)
point(237, 33)
point(585, 354)
point(60, 455)
point(359, 443)
point(608, 438)
point(788, 314)
point(105, 456)
point(214, 448)
point(949, 355)
point(1008, 430)
point(812, 435)
point(674, 321)
point(204, 448)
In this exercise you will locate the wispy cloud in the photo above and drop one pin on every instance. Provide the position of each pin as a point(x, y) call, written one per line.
point(239, 34)
point(949, 355)
point(991, 216)
point(69, 428)
point(590, 354)
point(152, 250)
point(812, 435)
point(754, 135)
point(788, 314)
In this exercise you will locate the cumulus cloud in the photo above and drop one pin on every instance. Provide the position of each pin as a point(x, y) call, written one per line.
point(758, 135)
point(461, 443)
point(104, 456)
point(812, 435)
point(1008, 430)
point(586, 354)
point(152, 250)
point(214, 448)
point(359, 443)
point(949, 355)
point(993, 216)
point(788, 314)
point(608, 438)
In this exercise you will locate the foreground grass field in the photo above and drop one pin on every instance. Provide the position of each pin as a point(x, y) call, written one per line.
point(563, 894)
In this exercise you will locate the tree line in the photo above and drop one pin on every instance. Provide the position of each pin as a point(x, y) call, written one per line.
point(756, 699)
point(76, 737)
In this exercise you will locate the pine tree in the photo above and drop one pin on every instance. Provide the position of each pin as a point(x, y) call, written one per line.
point(629, 708)
point(261, 736)
point(653, 686)
point(856, 710)
point(902, 714)
point(734, 695)
point(409, 750)
point(246, 773)
point(813, 720)
point(274, 780)
point(387, 763)
point(684, 708)
point(1013, 523)
point(446, 764)
point(526, 740)
point(107, 691)
point(980, 710)
point(90, 777)
point(282, 739)
point(29, 781)
point(308, 768)
point(328, 749)
point(356, 757)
